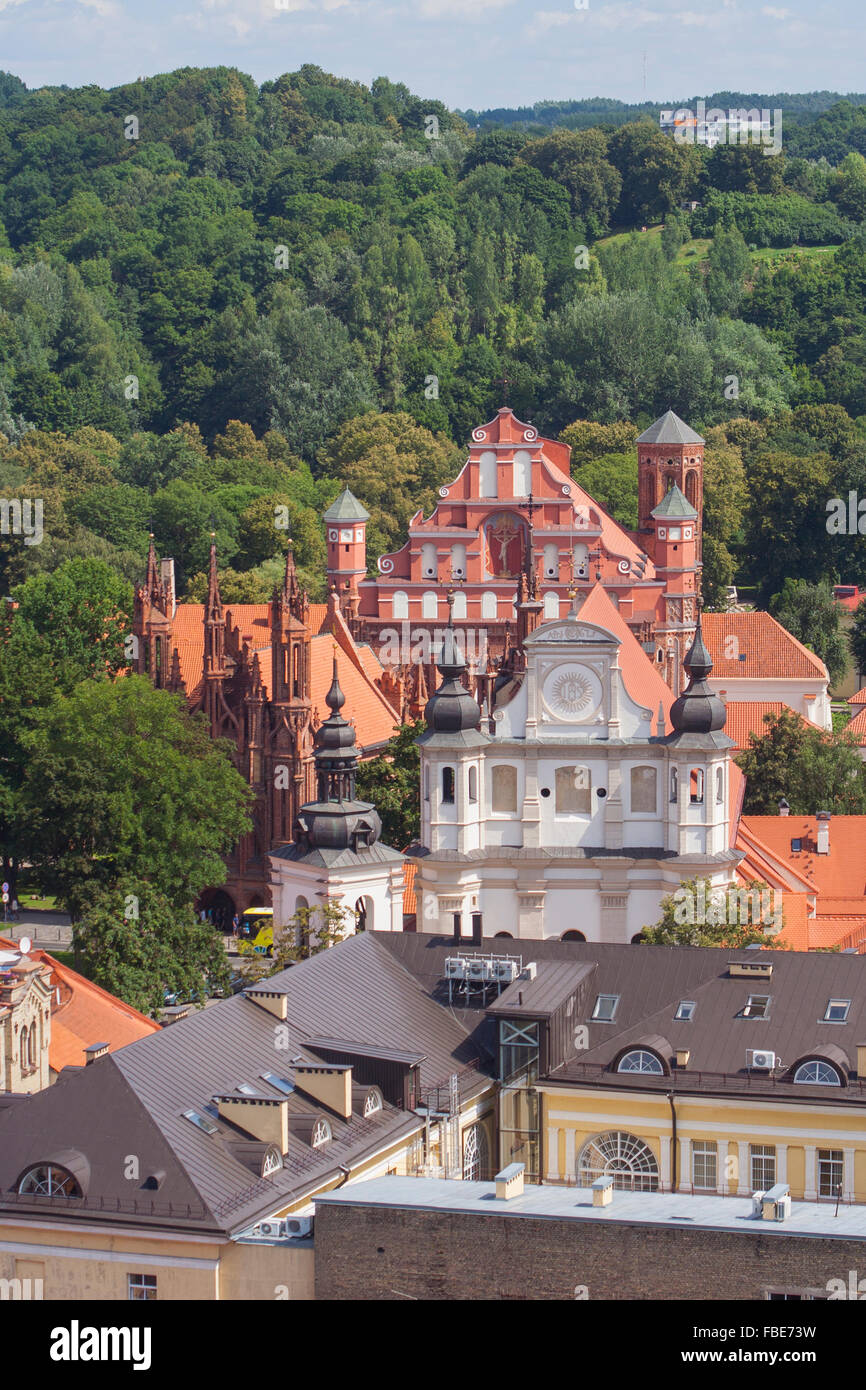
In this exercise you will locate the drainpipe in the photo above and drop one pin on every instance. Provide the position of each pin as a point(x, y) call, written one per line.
point(346, 1174)
point(675, 1149)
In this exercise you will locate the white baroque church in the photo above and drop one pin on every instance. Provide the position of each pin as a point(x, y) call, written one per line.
point(587, 796)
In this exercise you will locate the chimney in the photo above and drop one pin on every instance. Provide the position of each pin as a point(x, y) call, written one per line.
point(509, 1183)
point(330, 1083)
point(861, 1061)
point(823, 832)
point(94, 1051)
point(602, 1192)
point(263, 1117)
point(784, 808)
point(683, 1055)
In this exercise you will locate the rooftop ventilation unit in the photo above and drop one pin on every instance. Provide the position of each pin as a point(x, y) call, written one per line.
point(297, 1227)
point(750, 969)
point(479, 970)
point(455, 968)
point(761, 1061)
point(504, 971)
point(269, 1230)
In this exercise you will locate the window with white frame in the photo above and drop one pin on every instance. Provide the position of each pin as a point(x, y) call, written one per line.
point(763, 1163)
point(141, 1287)
point(705, 1165)
point(472, 790)
point(321, 1134)
point(551, 604)
point(400, 604)
point(720, 785)
point(643, 789)
point(837, 1010)
point(458, 605)
point(487, 474)
point(639, 1060)
point(429, 604)
point(488, 605)
point(696, 786)
point(604, 1010)
point(817, 1073)
point(522, 473)
point(831, 1172)
point(685, 1011)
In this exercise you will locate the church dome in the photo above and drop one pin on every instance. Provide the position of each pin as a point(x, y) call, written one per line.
point(452, 710)
point(699, 709)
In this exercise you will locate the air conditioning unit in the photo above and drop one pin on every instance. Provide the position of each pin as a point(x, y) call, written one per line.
point(478, 970)
point(505, 971)
point(455, 968)
point(761, 1061)
point(269, 1230)
point(298, 1226)
point(757, 1204)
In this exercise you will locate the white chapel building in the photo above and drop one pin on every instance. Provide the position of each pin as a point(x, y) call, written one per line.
point(587, 796)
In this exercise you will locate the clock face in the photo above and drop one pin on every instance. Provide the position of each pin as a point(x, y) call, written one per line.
point(572, 693)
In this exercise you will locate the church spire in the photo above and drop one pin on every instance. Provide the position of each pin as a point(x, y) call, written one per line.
point(699, 709)
point(213, 605)
point(335, 753)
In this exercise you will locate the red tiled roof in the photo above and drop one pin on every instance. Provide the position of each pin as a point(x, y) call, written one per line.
point(86, 1014)
point(642, 680)
point(857, 727)
point(859, 698)
point(839, 874)
point(366, 707)
point(746, 717)
point(771, 652)
point(410, 902)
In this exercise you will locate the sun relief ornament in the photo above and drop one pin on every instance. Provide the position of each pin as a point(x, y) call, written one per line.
point(572, 693)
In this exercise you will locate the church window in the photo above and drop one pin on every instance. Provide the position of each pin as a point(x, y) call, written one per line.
point(639, 1060)
point(429, 561)
point(643, 789)
point(551, 604)
point(448, 785)
point(430, 605)
point(400, 604)
point(696, 785)
point(488, 605)
point(504, 796)
point(675, 782)
point(426, 784)
point(487, 474)
point(720, 785)
point(458, 607)
point(458, 561)
point(573, 790)
point(473, 784)
point(522, 473)
point(551, 560)
point(692, 487)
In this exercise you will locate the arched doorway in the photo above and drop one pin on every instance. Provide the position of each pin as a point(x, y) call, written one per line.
point(573, 936)
point(219, 908)
point(364, 914)
point(624, 1157)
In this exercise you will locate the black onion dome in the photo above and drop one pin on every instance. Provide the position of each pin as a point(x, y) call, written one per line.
point(699, 709)
point(451, 710)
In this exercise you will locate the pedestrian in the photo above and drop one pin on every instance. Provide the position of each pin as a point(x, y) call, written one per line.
point(236, 923)
point(14, 909)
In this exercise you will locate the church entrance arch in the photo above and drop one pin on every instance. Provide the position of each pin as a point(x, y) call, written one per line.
point(219, 908)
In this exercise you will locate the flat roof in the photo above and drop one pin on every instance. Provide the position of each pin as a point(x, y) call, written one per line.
point(554, 1203)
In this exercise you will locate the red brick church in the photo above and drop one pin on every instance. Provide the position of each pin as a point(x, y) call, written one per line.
point(509, 541)
point(514, 509)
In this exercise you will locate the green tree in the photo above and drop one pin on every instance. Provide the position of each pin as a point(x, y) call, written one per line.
point(587, 439)
point(811, 613)
point(700, 914)
point(137, 943)
point(392, 782)
point(729, 265)
point(123, 782)
point(809, 768)
point(309, 931)
point(857, 638)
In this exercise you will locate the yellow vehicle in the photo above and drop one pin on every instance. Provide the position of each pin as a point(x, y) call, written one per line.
point(257, 926)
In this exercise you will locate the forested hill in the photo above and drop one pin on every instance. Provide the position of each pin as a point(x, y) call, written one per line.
point(347, 272)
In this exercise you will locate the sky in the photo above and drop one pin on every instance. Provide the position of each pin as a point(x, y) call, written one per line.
point(467, 53)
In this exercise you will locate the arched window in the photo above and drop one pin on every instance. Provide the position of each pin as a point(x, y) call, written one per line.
point(675, 784)
point(696, 785)
point(458, 608)
point(301, 903)
point(628, 1160)
point(581, 561)
point(720, 785)
point(429, 561)
point(23, 1052)
point(426, 783)
point(373, 1102)
point(430, 605)
point(573, 790)
point(31, 1047)
point(504, 789)
point(473, 784)
point(817, 1073)
point(487, 474)
point(497, 934)
point(364, 914)
point(48, 1180)
point(488, 605)
point(400, 604)
point(476, 1154)
point(321, 1134)
point(692, 487)
point(573, 936)
point(551, 560)
point(522, 473)
point(642, 1061)
point(458, 561)
point(551, 604)
point(643, 789)
point(448, 784)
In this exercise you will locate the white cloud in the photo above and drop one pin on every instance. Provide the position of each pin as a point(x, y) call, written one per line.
point(458, 9)
point(772, 12)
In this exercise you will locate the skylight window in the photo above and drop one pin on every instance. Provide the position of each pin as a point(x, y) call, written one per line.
point(796, 846)
point(280, 1082)
point(685, 1011)
point(837, 1011)
point(758, 1006)
point(200, 1121)
point(605, 1008)
point(246, 1089)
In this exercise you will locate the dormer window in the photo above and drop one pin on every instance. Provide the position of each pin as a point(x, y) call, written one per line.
point(758, 1006)
point(605, 1008)
point(321, 1134)
point(817, 1073)
point(372, 1102)
point(685, 1011)
point(48, 1180)
point(837, 1011)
